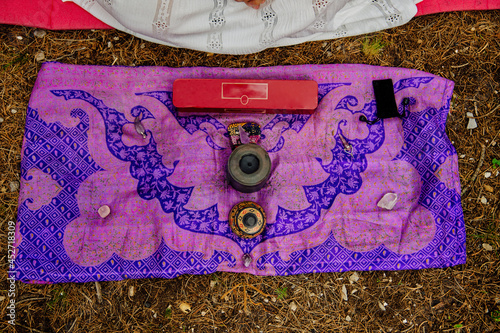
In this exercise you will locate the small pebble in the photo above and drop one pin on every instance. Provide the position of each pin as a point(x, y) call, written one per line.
point(143, 46)
point(293, 306)
point(487, 247)
point(1, 120)
point(19, 37)
point(462, 156)
point(348, 318)
point(116, 38)
point(14, 111)
point(484, 201)
point(40, 56)
point(487, 174)
point(14, 186)
point(104, 211)
point(39, 33)
point(110, 45)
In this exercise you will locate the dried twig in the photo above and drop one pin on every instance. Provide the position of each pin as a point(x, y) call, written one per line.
point(476, 173)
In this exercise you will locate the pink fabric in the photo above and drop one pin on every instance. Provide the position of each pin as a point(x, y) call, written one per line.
point(48, 14)
point(427, 7)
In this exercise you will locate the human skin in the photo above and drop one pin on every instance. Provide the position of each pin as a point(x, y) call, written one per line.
point(255, 4)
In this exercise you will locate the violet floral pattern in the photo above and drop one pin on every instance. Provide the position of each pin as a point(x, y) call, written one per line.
point(169, 196)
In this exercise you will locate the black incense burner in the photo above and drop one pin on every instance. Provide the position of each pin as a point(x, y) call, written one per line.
point(249, 167)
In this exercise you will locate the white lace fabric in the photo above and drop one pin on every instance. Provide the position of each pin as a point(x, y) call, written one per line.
point(227, 26)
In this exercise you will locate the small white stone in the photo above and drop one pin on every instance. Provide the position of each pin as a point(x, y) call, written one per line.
point(203, 313)
point(487, 174)
point(40, 56)
point(405, 321)
point(388, 201)
point(38, 33)
point(14, 111)
point(131, 291)
point(143, 46)
point(104, 211)
point(1, 120)
point(110, 45)
point(381, 306)
point(462, 156)
point(116, 38)
point(484, 201)
point(293, 306)
point(487, 247)
point(19, 37)
point(348, 318)
point(213, 283)
point(14, 186)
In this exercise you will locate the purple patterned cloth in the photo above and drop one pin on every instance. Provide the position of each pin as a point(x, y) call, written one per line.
point(169, 196)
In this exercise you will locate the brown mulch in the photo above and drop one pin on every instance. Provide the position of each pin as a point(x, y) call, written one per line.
point(463, 47)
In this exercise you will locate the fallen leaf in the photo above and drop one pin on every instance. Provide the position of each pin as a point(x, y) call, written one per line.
point(487, 247)
point(353, 278)
point(343, 292)
point(186, 308)
point(98, 291)
point(488, 188)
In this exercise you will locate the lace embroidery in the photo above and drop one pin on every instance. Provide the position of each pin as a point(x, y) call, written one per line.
point(161, 21)
point(319, 6)
point(392, 15)
point(270, 18)
point(87, 4)
point(217, 22)
point(340, 32)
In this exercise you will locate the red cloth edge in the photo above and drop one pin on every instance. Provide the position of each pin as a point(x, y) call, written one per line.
point(427, 7)
point(48, 14)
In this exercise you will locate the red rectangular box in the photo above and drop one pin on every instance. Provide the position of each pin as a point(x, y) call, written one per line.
point(245, 96)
